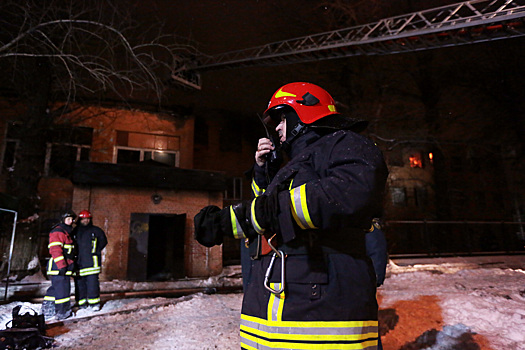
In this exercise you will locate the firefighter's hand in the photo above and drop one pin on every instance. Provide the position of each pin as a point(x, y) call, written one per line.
point(208, 230)
point(62, 271)
point(267, 210)
point(263, 148)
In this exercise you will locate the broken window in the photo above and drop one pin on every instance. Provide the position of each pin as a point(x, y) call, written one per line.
point(70, 144)
point(61, 158)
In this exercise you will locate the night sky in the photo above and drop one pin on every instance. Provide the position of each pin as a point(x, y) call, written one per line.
point(222, 26)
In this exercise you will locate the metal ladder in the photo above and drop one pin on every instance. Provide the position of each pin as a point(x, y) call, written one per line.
point(458, 24)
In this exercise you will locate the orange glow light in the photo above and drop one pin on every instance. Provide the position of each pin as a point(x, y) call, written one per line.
point(415, 162)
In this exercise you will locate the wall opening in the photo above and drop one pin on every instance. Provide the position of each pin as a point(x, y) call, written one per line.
point(156, 247)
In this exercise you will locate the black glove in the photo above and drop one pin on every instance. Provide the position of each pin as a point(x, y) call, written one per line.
point(267, 210)
point(208, 230)
point(62, 271)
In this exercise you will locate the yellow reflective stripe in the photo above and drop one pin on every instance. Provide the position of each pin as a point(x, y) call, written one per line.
point(236, 226)
point(255, 224)
point(94, 301)
point(300, 208)
point(68, 246)
point(62, 301)
point(82, 301)
point(276, 304)
point(310, 330)
point(257, 191)
point(89, 271)
point(49, 298)
point(253, 343)
point(52, 244)
point(59, 258)
point(257, 333)
point(95, 261)
point(94, 248)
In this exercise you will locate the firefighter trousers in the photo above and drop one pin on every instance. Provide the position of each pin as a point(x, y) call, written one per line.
point(87, 290)
point(60, 293)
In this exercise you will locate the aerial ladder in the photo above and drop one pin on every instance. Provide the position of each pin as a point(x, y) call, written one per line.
point(452, 25)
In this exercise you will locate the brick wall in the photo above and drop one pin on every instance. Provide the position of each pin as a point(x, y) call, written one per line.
point(112, 207)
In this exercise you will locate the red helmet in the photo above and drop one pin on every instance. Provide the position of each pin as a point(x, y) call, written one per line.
point(309, 101)
point(84, 214)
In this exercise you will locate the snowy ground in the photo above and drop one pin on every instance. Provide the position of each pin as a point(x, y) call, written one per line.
point(428, 306)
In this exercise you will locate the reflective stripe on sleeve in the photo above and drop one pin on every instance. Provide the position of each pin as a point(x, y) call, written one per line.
point(257, 191)
point(255, 224)
point(52, 244)
point(59, 258)
point(300, 208)
point(238, 233)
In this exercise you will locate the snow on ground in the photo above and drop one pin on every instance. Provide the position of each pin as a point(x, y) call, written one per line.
point(433, 307)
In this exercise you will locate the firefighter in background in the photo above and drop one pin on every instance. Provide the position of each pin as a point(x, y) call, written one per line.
point(59, 269)
point(90, 241)
point(311, 283)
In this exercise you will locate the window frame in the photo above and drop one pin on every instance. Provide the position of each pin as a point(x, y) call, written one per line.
point(142, 150)
point(49, 150)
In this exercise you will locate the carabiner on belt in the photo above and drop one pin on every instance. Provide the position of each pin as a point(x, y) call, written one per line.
point(280, 254)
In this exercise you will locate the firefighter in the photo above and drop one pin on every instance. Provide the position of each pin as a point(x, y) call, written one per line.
point(59, 269)
point(90, 241)
point(311, 283)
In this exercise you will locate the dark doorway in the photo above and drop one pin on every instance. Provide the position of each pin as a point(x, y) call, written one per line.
point(156, 247)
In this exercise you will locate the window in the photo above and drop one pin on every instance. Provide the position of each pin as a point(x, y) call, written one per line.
point(233, 188)
point(201, 132)
point(9, 156)
point(127, 155)
point(61, 158)
point(415, 160)
point(398, 195)
point(230, 138)
point(133, 147)
point(421, 197)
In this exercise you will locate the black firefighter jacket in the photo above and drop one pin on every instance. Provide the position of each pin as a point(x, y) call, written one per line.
point(329, 192)
point(90, 240)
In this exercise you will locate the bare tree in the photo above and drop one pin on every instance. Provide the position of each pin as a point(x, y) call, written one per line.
point(75, 51)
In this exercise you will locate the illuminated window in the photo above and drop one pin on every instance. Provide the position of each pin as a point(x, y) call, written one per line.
point(134, 147)
point(416, 161)
point(129, 155)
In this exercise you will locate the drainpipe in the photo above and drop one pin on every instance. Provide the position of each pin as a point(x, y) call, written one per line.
point(10, 250)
